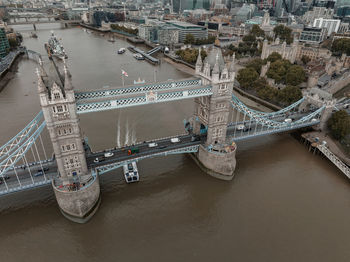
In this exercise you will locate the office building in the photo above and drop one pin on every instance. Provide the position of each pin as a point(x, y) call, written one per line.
point(332, 25)
point(199, 32)
point(4, 43)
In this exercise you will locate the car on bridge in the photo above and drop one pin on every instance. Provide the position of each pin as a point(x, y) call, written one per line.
point(195, 138)
point(99, 159)
point(133, 150)
point(175, 140)
point(152, 144)
point(108, 154)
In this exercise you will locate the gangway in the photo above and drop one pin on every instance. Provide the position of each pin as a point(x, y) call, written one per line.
point(154, 50)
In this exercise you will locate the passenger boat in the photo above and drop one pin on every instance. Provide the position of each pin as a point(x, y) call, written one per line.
point(131, 173)
point(139, 81)
point(121, 50)
point(139, 57)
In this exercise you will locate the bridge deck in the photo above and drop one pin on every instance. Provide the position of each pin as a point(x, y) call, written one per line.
point(120, 156)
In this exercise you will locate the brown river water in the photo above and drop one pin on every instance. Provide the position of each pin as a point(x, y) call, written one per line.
point(284, 204)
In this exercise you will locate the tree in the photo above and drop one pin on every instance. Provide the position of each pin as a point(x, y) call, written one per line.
point(295, 75)
point(305, 59)
point(340, 46)
point(246, 77)
point(13, 42)
point(289, 95)
point(257, 31)
point(278, 70)
point(284, 33)
point(339, 124)
point(189, 39)
point(274, 57)
point(268, 93)
point(249, 38)
point(256, 64)
point(190, 55)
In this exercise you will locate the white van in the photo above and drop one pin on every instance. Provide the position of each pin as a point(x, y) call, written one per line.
point(175, 140)
point(108, 154)
point(152, 144)
point(240, 127)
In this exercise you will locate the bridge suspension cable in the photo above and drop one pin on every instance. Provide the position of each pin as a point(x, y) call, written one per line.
point(276, 113)
point(16, 148)
point(265, 120)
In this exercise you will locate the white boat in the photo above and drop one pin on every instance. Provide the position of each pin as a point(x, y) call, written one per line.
point(139, 81)
point(139, 57)
point(121, 50)
point(111, 40)
point(131, 173)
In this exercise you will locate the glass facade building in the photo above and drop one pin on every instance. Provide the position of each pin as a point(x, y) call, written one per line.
point(4, 43)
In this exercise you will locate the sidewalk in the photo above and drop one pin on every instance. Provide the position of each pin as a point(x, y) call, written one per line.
point(331, 144)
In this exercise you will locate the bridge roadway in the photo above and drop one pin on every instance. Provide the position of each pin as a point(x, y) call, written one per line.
point(120, 154)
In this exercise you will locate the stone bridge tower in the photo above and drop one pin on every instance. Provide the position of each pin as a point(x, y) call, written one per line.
point(317, 98)
point(211, 115)
point(77, 191)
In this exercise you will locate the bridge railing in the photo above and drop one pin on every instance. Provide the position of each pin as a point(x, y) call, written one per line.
point(334, 159)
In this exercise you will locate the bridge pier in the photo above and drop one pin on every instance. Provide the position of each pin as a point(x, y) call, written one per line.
point(80, 205)
point(220, 165)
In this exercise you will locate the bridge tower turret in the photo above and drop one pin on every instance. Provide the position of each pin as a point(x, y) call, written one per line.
point(211, 115)
point(318, 98)
point(77, 190)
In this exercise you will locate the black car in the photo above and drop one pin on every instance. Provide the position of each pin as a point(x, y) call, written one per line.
point(195, 138)
point(45, 169)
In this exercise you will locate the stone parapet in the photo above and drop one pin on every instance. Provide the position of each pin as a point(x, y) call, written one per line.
point(216, 164)
point(81, 204)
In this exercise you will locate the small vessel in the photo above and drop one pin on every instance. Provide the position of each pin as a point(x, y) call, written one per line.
point(139, 57)
point(55, 48)
point(111, 40)
point(121, 50)
point(130, 173)
point(139, 81)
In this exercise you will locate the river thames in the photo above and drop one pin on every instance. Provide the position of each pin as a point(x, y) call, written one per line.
point(284, 203)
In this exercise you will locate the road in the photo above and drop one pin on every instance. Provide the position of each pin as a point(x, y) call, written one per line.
point(22, 177)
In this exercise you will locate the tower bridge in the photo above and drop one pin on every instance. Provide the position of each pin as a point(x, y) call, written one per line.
point(219, 120)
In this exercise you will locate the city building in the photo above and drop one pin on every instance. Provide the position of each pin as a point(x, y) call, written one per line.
point(332, 25)
point(317, 12)
point(4, 43)
point(288, 52)
point(148, 32)
point(168, 35)
point(199, 32)
point(313, 35)
point(295, 51)
point(244, 13)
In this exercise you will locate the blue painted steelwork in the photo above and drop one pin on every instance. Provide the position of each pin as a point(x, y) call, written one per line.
point(137, 89)
point(142, 100)
point(17, 154)
point(14, 143)
point(265, 121)
point(25, 187)
point(267, 131)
